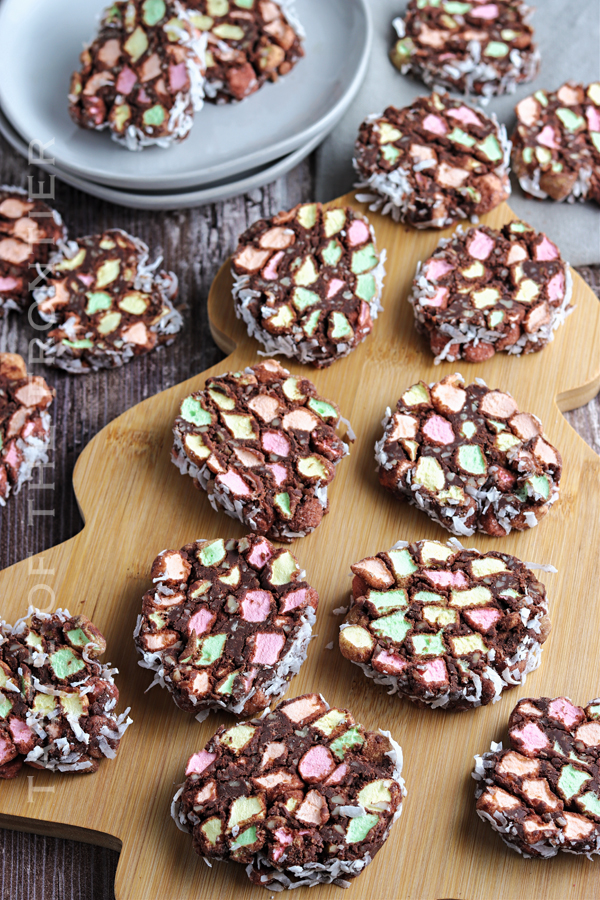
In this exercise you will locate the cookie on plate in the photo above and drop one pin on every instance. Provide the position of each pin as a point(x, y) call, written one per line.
point(226, 625)
point(484, 291)
point(263, 445)
point(542, 794)
point(556, 143)
point(473, 48)
point(312, 800)
point(308, 282)
point(433, 162)
point(107, 303)
point(248, 42)
point(142, 76)
point(444, 626)
point(56, 700)
point(468, 458)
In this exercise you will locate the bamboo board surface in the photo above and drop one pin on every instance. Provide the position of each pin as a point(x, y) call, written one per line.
point(135, 503)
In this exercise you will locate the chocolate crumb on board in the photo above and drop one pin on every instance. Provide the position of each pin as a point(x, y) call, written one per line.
point(472, 48)
point(263, 444)
point(485, 291)
point(226, 625)
point(303, 796)
point(308, 282)
point(468, 458)
point(56, 700)
point(142, 76)
point(433, 162)
point(445, 626)
point(542, 794)
point(556, 143)
point(107, 303)
point(249, 42)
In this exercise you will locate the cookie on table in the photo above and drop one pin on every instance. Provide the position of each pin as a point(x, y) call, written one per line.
point(226, 625)
point(433, 162)
point(107, 303)
point(25, 424)
point(556, 143)
point(142, 76)
point(313, 798)
point(485, 291)
point(472, 48)
point(542, 794)
point(263, 445)
point(248, 42)
point(28, 229)
point(445, 626)
point(468, 458)
point(308, 282)
point(57, 700)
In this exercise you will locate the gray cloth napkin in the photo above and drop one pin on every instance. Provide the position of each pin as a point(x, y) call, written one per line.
point(568, 35)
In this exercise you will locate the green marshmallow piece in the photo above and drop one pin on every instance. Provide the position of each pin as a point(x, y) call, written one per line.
point(390, 153)
point(334, 220)
point(33, 640)
point(155, 115)
point(527, 155)
point(227, 686)
point(212, 829)
point(570, 120)
point(244, 808)
point(64, 663)
point(595, 136)
point(229, 32)
point(541, 98)
point(491, 148)
point(429, 473)
point(238, 736)
point(341, 326)
point(428, 597)
point(402, 563)
point(591, 803)
point(282, 502)
point(571, 781)
point(192, 411)
point(415, 395)
point(347, 741)
point(244, 4)
point(429, 644)
point(395, 627)
point(519, 227)
point(496, 318)
point(509, 592)
point(282, 568)
point(471, 459)
point(97, 301)
point(540, 485)
point(593, 712)
point(217, 7)
point(302, 298)
point(386, 600)
point(158, 619)
point(78, 637)
point(307, 215)
point(472, 194)
point(212, 648)
point(322, 409)
point(468, 429)
point(461, 137)
point(423, 4)
point(309, 323)
point(366, 287)
point(456, 9)
point(245, 838)
point(153, 11)
point(477, 596)
point(329, 722)
point(332, 253)
point(5, 706)
point(496, 49)
point(403, 49)
point(83, 344)
point(359, 828)
point(240, 426)
point(212, 554)
point(364, 259)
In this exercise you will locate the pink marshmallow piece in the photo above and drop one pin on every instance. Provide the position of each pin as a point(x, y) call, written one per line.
point(439, 430)
point(565, 712)
point(556, 287)
point(483, 618)
point(126, 81)
point(235, 484)
point(260, 554)
point(294, 600)
point(9, 284)
point(480, 246)
point(487, 11)
point(546, 250)
point(387, 662)
point(21, 732)
point(437, 268)
point(201, 621)
point(11, 456)
point(335, 286)
point(434, 124)
point(256, 606)
point(274, 442)
point(447, 579)
point(547, 138)
point(199, 762)
point(465, 115)
point(593, 118)
point(178, 77)
point(267, 648)
point(438, 298)
point(270, 270)
point(337, 775)
point(278, 471)
point(358, 233)
point(532, 737)
point(143, 96)
point(434, 672)
point(249, 678)
point(86, 278)
point(316, 764)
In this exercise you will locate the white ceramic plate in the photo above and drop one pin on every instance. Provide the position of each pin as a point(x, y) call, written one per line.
point(40, 41)
point(154, 200)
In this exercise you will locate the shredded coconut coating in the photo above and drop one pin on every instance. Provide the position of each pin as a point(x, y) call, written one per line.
point(468, 458)
point(471, 47)
point(542, 795)
point(56, 699)
point(301, 796)
point(446, 627)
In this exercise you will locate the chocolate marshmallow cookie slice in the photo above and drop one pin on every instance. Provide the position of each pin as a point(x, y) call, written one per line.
point(445, 626)
point(556, 144)
point(433, 162)
point(263, 445)
point(28, 229)
point(300, 797)
point(142, 76)
point(468, 458)
point(308, 282)
point(249, 42)
point(227, 624)
point(56, 700)
point(484, 291)
point(542, 794)
point(107, 303)
point(473, 48)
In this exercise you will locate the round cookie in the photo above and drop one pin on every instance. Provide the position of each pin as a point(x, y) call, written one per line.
point(302, 796)
point(468, 458)
point(445, 626)
point(226, 625)
point(142, 76)
point(556, 143)
point(485, 291)
point(472, 48)
point(25, 424)
point(433, 162)
point(56, 699)
point(248, 42)
point(263, 445)
point(107, 303)
point(308, 282)
point(542, 794)
point(28, 228)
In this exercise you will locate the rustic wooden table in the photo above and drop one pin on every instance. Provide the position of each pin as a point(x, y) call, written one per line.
point(194, 244)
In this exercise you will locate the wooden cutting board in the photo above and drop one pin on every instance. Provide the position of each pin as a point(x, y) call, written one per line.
point(135, 503)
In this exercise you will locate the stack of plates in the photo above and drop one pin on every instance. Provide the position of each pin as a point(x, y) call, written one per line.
point(231, 149)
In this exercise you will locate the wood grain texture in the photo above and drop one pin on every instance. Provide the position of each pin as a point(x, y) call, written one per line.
point(135, 503)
